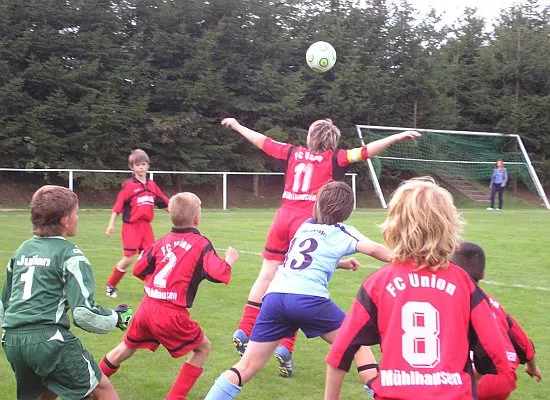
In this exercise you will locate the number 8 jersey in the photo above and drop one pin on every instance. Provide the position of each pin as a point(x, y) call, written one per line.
point(425, 323)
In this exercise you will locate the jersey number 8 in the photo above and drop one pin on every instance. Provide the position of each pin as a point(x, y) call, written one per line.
point(420, 342)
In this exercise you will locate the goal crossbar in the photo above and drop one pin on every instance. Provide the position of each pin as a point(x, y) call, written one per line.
point(527, 163)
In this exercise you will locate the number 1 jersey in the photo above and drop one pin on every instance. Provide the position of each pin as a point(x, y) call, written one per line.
point(425, 323)
point(176, 264)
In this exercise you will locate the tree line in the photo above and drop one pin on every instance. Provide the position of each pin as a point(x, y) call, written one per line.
point(82, 82)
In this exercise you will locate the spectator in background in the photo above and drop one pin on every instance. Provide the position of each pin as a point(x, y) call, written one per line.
point(499, 179)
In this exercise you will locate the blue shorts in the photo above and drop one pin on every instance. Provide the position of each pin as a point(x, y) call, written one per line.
point(282, 314)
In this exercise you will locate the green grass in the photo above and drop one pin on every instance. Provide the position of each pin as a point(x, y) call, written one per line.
point(515, 242)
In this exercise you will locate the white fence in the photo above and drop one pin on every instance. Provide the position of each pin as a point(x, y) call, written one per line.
point(224, 175)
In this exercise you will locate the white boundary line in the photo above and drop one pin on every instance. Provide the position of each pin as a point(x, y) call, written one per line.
point(363, 266)
point(495, 283)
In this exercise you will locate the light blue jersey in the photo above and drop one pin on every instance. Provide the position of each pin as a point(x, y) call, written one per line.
point(313, 256)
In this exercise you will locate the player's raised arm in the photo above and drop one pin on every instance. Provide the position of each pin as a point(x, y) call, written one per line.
point(256, 138)
point(373, 148)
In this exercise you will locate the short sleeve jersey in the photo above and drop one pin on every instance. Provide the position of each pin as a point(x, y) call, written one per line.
point(312, 258)
point(47, 276)
point(136, 200)
point(176, 264)
point(425, 323)
point(306, 172)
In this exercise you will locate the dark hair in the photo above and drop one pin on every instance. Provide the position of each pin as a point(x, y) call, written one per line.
point(48, 205)
point(471, 258)
point(334, 203)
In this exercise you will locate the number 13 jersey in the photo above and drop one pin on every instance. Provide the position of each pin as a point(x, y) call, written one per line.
point(313, 256)
point(425, 323)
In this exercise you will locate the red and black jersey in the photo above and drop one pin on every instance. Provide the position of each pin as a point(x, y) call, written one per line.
point(306, 172)
point(176, 264)
point(480, 357)
point(425, 323)
point(136, 200)
point(520, 341)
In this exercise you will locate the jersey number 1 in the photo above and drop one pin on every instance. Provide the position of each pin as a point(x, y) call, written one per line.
point(420, 342)
point(27, 277)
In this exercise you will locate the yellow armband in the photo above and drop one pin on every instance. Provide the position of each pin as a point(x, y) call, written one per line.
point(357, 154)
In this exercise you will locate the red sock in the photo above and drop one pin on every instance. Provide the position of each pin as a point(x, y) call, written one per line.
point(107, 368)
point(184, 382)
point(250, 313)
point(116, 276)
point(289, 342)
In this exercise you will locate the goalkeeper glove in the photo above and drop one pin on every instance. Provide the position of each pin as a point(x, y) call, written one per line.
point(125, 314)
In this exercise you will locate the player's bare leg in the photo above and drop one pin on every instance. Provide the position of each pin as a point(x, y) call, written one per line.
point(118, 273)
point(104, 390)
point(365, 361)
point(110, 363)
point(252, 309)
point(229, 384)
point(190, 371)
point(48, 395)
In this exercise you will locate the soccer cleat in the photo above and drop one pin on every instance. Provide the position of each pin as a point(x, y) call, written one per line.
point(111, 291)
point(240, 340)
point(370, 392)
point(286, 366)
point(498, 209)
point(490, 208)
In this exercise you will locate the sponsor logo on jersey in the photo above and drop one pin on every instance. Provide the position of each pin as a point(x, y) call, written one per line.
point(145, 200)
point(77, 251)
point(299, 196)
point(34, 260)
point(398, 377)
point(307, 156)
point(161, 295)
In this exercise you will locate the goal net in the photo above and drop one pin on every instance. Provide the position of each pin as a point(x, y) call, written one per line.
point(452, 154)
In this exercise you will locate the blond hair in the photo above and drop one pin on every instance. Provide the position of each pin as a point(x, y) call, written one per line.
point(422, 225)
point(322, 135)
point(334, 203)
point(49, 204)
point(137, 156)
point(183, 208)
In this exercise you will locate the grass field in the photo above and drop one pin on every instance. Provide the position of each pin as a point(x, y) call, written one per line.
point(516, 243)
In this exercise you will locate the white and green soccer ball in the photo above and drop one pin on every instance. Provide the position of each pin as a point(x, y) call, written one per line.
point(321, 56)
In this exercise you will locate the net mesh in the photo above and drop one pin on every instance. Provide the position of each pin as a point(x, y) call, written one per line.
point(471, 157)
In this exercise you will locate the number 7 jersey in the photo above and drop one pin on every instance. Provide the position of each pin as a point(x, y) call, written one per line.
point(425, 323)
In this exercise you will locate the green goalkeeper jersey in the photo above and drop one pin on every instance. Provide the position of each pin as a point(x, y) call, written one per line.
point(46, 277)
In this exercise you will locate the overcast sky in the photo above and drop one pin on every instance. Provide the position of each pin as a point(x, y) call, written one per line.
point(452, 9)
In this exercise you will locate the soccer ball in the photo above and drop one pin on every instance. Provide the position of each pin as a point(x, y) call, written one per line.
point(321, 56)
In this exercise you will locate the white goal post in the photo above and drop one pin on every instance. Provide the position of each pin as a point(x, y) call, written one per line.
point(435, 158)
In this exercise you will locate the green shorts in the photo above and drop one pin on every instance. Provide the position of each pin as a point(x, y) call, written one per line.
point(50, 357)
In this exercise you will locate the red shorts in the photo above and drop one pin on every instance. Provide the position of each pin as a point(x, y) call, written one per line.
point(136, 236)
point(156, 323)
point(496, 387)
point(285, 224)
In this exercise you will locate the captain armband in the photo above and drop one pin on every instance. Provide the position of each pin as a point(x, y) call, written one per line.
point(357, 154)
